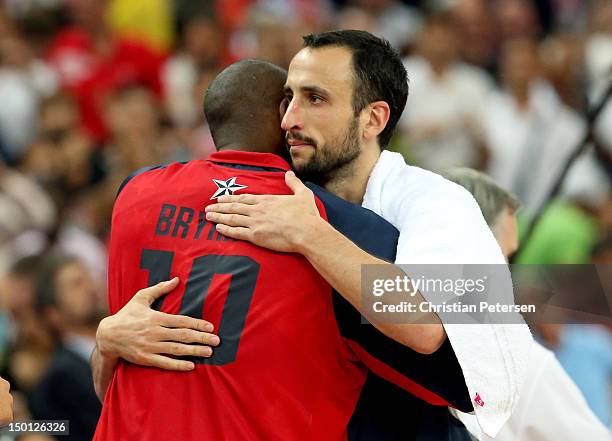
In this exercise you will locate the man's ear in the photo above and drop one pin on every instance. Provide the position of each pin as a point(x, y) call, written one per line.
point(375, 117)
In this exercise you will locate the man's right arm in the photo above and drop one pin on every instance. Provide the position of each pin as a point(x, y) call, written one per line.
point(102, 369)
point(141, 335)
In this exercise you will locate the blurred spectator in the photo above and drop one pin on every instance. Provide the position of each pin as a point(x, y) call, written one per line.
point(59, 115)
point(132, 117)
point(7, 26)
point(498, 207)
point(598, 58)
point(570, 15)
point(441, 122)
point(200, 52)
point(86, 180)
point(232, 14)
point(85, 228)
point(19, 8)
point(28, 341)
point(294, 11)
point(17, 55)
point(137, 138)
point(562, 61)
point(200, 139)
point(531, 133)
point(517, 19)
point(23, 207)
point(18, 295)
point(352, 17)
point(67, 299)
point(477, 32)
point(598, 61)
point(396, 22)
point(17, 117)
point(259, 38)
point(39, 26)
point(92, 62)
point(24, 81)
point(63, 159)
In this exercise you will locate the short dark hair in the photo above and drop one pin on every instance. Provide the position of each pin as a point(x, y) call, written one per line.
point(380, 74)
point(26, 267)
point(242, 103)
point(49, 268)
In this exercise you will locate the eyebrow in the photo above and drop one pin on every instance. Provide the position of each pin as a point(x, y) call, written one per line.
point(308, 89)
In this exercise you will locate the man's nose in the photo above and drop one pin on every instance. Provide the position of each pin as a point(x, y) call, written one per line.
point(292, 118)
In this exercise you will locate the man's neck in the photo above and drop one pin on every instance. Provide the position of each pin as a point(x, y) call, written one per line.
point(81, 343)
point(237, 146)
point(521, 96)
point(246, 147)
point(350, 181)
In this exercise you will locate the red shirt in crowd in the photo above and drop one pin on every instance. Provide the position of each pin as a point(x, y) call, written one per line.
point(90, 76)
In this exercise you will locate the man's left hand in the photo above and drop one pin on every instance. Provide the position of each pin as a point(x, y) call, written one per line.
point(277, 222)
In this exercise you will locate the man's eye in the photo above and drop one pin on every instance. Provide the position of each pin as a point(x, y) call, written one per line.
point(316, 99)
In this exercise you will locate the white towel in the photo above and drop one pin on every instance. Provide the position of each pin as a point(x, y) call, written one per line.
point(440, 223)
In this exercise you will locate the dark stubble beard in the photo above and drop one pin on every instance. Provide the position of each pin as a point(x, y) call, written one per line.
point(331, 159)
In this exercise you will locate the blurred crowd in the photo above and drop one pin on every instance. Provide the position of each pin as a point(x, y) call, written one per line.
point(92, 90)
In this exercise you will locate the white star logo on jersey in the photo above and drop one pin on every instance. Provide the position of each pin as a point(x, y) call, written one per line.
point(226, 187)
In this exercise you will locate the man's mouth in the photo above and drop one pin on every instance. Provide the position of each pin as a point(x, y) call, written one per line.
point(297, 144)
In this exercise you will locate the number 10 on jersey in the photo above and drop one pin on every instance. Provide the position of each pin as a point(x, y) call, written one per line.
point(243, 271)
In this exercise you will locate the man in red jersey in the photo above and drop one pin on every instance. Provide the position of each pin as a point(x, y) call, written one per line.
point(291, 364)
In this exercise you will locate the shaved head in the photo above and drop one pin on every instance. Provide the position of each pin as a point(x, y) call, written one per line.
point(242, 107)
